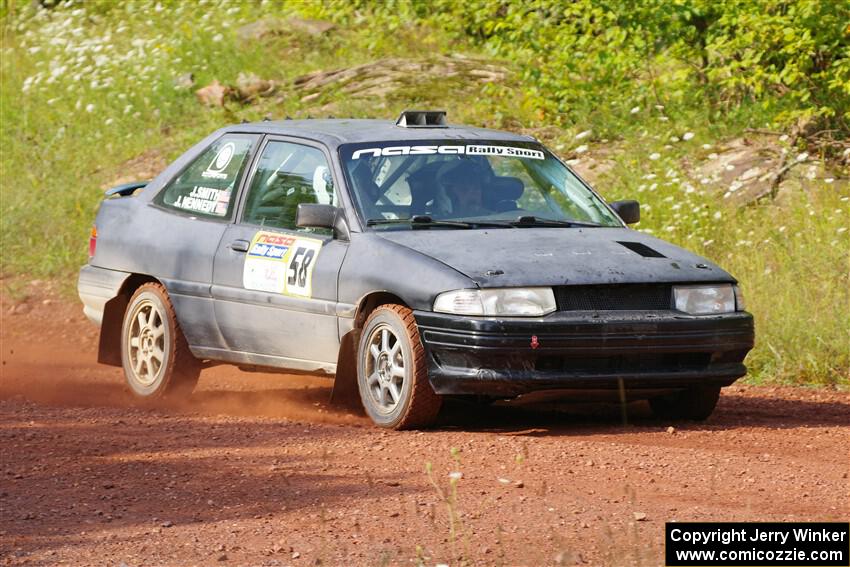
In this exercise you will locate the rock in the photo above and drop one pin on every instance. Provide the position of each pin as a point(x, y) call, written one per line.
point(167, 524)
point(295, 555)
point(249, 86)
point(268, 27)
point(310, 27)
point(222, 557)
point(384, 77)
point(146, 165)
point(261, 29)
point(755, 166)
point(20, 309)
point(212, 94)
point(504, 480)
point(519, 484)
point(671, 430)
point(639, 516)
point(184, 81)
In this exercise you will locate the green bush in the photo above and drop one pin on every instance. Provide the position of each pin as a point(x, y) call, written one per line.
point(585, 56)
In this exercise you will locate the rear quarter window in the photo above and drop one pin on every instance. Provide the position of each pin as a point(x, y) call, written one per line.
point(207, 186)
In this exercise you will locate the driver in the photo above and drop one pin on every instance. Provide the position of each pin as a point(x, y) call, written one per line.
point(463, 183)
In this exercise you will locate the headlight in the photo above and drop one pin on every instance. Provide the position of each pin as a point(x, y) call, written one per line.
point(507, 302)
point(739, 299)
point(705, 299)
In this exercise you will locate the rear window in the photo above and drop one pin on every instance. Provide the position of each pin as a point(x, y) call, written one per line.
point(208, 184)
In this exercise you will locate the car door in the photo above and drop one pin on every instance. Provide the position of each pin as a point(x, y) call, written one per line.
point(194, 209)
point(275, 285)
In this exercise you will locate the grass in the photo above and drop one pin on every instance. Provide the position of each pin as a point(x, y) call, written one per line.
point(87, 87)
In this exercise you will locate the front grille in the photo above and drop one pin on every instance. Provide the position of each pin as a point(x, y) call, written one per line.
point(625, 297)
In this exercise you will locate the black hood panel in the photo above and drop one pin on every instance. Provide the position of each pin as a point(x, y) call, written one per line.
point(559, 256)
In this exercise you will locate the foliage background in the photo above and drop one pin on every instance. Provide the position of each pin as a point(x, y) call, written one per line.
point(655, 85)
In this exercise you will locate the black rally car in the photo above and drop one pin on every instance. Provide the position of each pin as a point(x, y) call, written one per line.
point(412, 260)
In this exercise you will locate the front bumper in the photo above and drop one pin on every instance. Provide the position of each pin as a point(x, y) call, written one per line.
point(642, 350)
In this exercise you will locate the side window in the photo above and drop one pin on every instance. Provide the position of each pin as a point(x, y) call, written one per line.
point(287, 175)
point(208, 185)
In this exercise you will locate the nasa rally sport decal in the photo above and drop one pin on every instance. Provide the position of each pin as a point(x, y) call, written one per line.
point(472, 150)
point(279, 263)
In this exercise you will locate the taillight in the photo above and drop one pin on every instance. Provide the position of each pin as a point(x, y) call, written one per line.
point(92, 242)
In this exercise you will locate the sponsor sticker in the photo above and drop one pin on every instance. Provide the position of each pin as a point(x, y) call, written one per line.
point(215, 170)
point(278, 263)
point(205, 200)
point(504, 151)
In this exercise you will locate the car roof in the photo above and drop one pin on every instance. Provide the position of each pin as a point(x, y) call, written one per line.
point(335, 131)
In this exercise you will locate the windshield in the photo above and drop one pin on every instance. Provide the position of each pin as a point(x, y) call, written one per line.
point(474, 182)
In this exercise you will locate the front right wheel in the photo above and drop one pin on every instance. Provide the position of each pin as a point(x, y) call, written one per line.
point(392, 373)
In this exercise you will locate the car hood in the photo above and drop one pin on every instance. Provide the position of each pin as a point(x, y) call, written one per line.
point(559, 256)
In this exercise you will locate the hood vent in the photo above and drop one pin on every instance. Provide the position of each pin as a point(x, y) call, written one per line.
point(642, 249)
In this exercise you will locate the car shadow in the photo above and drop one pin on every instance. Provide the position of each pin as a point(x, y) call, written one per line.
point(313, 403)
point(587, 418)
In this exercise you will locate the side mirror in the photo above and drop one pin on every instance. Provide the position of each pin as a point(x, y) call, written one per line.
point(313, 215)
point(629, 211)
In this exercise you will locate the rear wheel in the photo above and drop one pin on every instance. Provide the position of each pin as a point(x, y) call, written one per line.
point(155, 356)
point(392, 374)
point(695, 403)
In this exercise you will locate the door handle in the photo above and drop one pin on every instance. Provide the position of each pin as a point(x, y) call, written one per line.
point(240, 245)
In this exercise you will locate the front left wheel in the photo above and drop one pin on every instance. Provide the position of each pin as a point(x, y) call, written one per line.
point(392, 373)
point(155, 356)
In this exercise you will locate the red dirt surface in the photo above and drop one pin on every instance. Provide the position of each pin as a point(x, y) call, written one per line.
point(261, 470)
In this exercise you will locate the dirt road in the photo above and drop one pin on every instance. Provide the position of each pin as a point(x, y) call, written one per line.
point(260, 470)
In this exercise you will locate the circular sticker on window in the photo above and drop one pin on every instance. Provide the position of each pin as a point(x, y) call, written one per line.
point(221, 161)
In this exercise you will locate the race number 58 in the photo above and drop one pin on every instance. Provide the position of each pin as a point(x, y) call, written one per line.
point(301, 261)
point(299, 273)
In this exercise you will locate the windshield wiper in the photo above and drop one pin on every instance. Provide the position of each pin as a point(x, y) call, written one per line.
point(419, 221)
point(532, 221)
point(423, 221)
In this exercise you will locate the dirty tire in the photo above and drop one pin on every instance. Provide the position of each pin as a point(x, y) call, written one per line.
point(695, 404)
point(154, 353)
point(392, 373)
